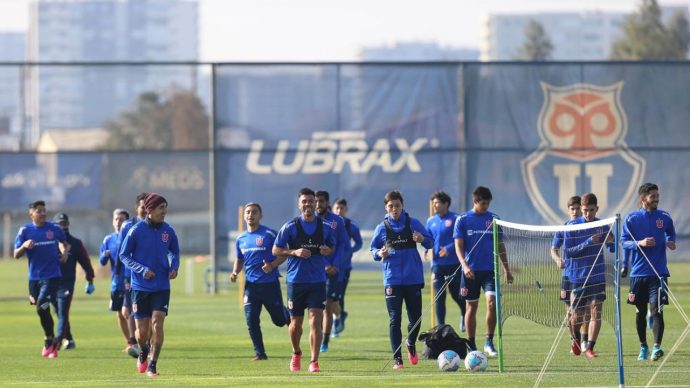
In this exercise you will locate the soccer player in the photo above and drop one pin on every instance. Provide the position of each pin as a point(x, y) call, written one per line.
point(475, 248)
point(587, 274)
point(152, 253)
point(140, 210)
point(647, 233)
point(395, 244)
point(45, 245)
point(576, 334)
point(76, 254)
point(262, 288)
point(108, 254)
point(307, 241)
point(354, 236)
point(444, 265)
point(334, 278)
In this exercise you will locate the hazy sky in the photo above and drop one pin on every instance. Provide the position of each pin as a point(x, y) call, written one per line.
point(325, 30)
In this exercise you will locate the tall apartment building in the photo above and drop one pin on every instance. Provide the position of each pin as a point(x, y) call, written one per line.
point(574, 35)
point(72, 97)
point(12, 49)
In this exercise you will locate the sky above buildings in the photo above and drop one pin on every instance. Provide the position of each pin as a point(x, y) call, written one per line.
point(325, 30)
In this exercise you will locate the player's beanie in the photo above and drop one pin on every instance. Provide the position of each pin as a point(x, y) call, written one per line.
point(152, 201)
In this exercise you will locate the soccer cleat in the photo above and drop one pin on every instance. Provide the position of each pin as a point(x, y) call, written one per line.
point(260, 357)
point(54, 350)
point(462, 325)
point(296, 362)
point(151, 371)
point(143, 360)
point(489, 349)
point(46, 350)
point(644, 353)
point(590, 353)
point(335, 334)
point(575, 348)
point(133, 350)
point(337, 324)
point(343, 317)
point(68, 344)
point(314, 367)
point(412, 354)
point(323, 348)
point(649, 320)
point(657, 353)
point(397, 363)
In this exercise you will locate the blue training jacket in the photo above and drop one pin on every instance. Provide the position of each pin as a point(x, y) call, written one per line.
point(111, 243)
point(403, 266)
point(639, 225)
point(154, 248)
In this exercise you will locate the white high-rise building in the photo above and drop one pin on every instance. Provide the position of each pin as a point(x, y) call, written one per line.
point(576, 36)
point(69, 97)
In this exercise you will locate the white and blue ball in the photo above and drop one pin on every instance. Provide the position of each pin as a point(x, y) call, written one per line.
point(448, 361)
point(476, 361)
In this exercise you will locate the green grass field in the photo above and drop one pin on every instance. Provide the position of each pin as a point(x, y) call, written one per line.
point(207, 344)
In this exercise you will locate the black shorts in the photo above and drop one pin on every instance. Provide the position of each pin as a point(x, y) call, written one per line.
point(648, 289)
point(470, 288)
point(565, 290)
point(581, 294)
point(305, 296)
point(333, 288)
point(144, 303)
point(117, 299)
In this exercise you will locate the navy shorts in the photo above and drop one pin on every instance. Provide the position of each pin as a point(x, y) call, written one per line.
point(565, 290)
point(334, 288)
point(128, 299)
point(471, 288)
point(117, 298)
point(581, 294)
point(648, 289)
point(43, 291)
point(305, 296)
point(144, 303)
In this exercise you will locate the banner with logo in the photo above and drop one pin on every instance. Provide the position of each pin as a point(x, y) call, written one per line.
point(63, 181)
point(538, 134)
point(355, 131)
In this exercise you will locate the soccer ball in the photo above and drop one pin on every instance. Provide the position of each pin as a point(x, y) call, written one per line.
point(448, 361)
point(476, 361)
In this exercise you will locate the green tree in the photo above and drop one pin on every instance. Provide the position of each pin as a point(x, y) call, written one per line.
point(537, 46)
point(646, 37)
point(180, 123)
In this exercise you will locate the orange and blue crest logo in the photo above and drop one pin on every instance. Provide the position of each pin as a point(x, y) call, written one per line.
point(582, 130)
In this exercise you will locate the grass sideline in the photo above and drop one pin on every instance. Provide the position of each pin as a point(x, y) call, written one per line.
point(207, 344)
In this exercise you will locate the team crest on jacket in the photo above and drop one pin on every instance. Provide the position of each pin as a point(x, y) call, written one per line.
point(49, 235)
point(660, 223)
point(582, 129)
point(165, 236)
point(449, 223)
point(259, 241)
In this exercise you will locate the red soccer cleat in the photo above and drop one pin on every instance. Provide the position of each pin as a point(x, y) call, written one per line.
point(314, 367)
point(575, 348)
point(397, 363)
point(142, 365)
point(296, 362)
point(590, 353)
point(412, 354)
point(54, 350)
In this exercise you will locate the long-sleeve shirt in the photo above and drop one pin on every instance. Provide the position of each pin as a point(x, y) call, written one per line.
point(402, 266)
point(586, 257)
point(639, 225)
point(150, 247)
point(355, 236)
point(111, 244)
point(441, 229)
point(77, 254)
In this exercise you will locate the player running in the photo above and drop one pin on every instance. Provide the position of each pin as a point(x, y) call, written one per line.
point(255, 254)
point(647, 233)
point(45, 245)
point(307, 241)
point(340, 208)
point(395, 244)
point(152, 253)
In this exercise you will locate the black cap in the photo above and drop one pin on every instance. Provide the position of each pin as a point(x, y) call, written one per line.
point(61, 217)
